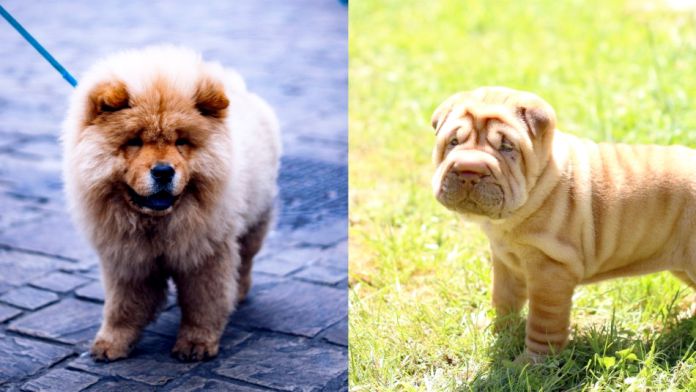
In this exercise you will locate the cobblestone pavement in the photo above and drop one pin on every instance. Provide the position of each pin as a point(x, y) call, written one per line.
point(291, 333)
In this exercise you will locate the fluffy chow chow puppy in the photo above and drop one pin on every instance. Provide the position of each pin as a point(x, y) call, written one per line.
point(170, 168)
point(560, 211)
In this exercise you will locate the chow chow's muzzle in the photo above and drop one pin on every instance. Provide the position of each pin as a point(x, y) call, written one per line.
point(161, 193)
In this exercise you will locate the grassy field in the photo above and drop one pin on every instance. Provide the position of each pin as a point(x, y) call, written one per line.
point(419, 277)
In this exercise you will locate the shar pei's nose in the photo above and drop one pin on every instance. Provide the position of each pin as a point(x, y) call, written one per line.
point(469, 168)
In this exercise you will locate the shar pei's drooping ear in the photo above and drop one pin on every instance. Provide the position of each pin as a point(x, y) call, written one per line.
point(443, 111)
point(536, 113)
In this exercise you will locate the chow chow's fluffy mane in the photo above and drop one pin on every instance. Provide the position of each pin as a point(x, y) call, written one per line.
point(169, 84)
point(170, 168)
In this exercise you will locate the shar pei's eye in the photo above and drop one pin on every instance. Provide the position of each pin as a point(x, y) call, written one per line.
point(453, 142)
point(506, 146)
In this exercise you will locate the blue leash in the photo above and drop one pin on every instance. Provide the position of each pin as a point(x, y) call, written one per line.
point(38, 47)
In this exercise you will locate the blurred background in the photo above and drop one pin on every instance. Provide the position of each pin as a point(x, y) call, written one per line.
point(292, 332)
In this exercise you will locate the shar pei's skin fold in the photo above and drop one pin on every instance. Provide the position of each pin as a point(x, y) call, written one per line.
point(560, 211)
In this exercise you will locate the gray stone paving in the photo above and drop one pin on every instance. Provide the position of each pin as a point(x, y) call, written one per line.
point(291, 332)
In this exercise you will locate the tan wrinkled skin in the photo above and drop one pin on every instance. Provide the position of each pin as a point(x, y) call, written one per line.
point(571, 212)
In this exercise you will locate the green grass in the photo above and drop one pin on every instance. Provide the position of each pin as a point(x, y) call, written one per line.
point(419, 276)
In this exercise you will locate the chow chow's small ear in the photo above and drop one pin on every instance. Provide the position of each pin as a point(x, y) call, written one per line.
point(442, 112)
point(539, 118)
point(210, 99)
point(107, 97)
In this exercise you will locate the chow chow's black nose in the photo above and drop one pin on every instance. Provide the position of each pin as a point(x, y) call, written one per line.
point(162, 173)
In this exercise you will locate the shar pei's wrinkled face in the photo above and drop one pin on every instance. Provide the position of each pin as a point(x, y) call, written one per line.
point(492, 145)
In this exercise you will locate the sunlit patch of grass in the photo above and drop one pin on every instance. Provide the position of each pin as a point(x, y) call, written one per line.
point(419, 277)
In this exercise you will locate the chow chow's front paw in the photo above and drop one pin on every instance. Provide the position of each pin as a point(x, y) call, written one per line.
point(109, 350)
point(188, 350)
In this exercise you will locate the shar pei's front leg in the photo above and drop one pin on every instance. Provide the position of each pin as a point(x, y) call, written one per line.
point(550, 286)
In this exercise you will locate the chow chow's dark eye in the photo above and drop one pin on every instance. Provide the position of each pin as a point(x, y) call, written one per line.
point(454, 142)
point(135, 142)
point(183, 142)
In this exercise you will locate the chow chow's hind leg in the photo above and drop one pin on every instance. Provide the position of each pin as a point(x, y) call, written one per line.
point(249, 245)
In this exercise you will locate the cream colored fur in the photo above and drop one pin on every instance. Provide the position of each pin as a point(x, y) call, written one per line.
point(574, 211)
point(198, 239)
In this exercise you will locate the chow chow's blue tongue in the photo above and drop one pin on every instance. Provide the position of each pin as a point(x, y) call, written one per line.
point(159, 201)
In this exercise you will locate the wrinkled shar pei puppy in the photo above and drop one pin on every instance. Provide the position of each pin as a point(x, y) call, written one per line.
point(560, 211)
